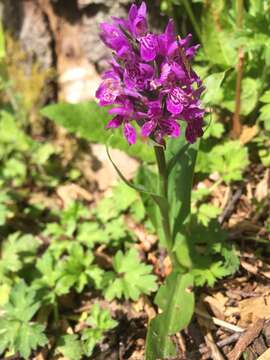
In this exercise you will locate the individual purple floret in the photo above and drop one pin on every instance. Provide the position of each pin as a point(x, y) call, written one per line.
point(150, 81)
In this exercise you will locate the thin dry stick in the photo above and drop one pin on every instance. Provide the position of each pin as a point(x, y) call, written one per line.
point(229, 340)
point(229, 208)
point(221, 343)
point(215, 352)
point(246, 339)
point(237, 127)
point(219, 322)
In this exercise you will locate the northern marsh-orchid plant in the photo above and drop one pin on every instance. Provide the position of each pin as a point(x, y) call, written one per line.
point(153, 91)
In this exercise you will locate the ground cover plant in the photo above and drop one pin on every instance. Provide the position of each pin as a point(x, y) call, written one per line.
point(171, 262)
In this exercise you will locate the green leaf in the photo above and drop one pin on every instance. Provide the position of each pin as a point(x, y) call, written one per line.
point(116, 230)
point(43, 153)
point(88, 120)
point(249, 95)
point(265, 98)
point(18, 334)
point(213, 94)
point(70, 346)
point(46, 283)
point(130, 278)
point(4, 294)
point(180, 181)
point(91, 233)
point(229, 160)
point(149, 179)
point(176, 300)
point(29, 337)
point(15, 169)
point(17, 250)
point(208, 271)
point(265, 116)
point(182, 251)
point(217, 34)
point(206, 212)
point(11, 134)
point(77, 270)
point(216, 130)
point(205, 252)
point(265, 157)
point(108, 208)
point(2, 42)
point(98, 323)
point(125, 196)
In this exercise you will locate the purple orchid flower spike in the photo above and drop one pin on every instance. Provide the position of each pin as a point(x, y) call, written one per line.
point(150, 81)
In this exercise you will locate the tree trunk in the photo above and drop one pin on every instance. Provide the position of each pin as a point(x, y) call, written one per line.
point(64, 34)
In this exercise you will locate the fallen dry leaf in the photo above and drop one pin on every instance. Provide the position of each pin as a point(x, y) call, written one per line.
point(52, 202)
point(254, 308)
point(250, 268)
point(71, 192)
point(106, 176)
point(262, 188)
point(217, 304)
point(248, 133)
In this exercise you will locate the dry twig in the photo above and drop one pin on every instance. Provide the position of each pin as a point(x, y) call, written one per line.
point(216, 354)
point(229, 208)
point(219, 322)
point(252, 332)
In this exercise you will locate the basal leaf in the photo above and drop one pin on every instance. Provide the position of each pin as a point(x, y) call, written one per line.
point(176, 300)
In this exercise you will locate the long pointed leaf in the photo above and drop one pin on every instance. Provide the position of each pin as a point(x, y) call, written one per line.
point(176, 300)
point(180, 180)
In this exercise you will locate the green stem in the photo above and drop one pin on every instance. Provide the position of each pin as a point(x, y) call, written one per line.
point(192, 18)
point(56, 313)
point(163, 190)
point(162, 169)
point(236, 121)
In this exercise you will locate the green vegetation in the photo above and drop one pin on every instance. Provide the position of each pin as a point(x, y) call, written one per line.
point(56, 258)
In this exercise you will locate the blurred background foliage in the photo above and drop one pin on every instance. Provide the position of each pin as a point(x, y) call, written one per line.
point(69, 249)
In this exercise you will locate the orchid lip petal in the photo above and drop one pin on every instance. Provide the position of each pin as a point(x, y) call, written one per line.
point(130, 133)
point(148, 128)
point(115, 122)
